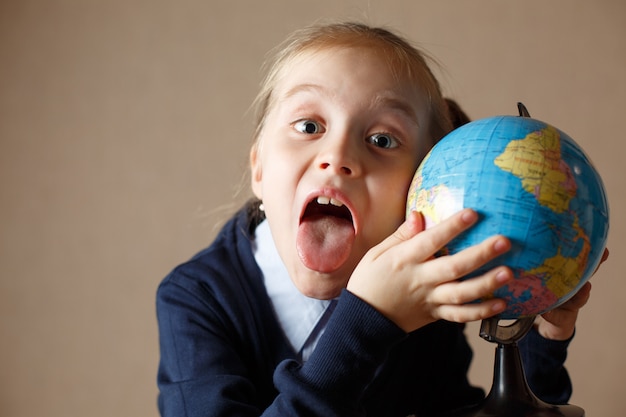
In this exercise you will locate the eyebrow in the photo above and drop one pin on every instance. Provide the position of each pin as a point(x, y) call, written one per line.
point(300, 88)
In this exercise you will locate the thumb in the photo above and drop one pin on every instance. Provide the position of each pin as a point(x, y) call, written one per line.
point(413, 224)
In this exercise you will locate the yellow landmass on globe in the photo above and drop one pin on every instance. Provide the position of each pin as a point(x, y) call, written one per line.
point(536, 160)
point(416, 184)
point(426, 203)
point(565, 273)
point(437, 203)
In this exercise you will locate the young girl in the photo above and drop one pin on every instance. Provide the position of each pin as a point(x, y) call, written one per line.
point(319, 298)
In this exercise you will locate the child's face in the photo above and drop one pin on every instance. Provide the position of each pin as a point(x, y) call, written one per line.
point(334, 161)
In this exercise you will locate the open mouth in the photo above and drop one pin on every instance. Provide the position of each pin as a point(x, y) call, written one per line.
point(327, 206)
point(326, 234)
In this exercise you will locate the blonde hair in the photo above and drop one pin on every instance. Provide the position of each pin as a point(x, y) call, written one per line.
point(405, 61)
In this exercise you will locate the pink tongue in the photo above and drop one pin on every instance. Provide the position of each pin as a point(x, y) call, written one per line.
point(324, 242)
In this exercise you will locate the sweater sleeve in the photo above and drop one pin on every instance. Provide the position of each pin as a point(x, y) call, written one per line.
point(332, 382)
point(203, 371)
point(544, 361)
point(200, 371)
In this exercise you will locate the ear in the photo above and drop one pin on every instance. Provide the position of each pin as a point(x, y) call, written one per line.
point(256, 173)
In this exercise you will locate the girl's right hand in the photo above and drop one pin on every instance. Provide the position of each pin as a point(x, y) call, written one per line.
point(401, 278)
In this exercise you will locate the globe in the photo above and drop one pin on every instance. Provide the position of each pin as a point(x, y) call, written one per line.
point(528, 181)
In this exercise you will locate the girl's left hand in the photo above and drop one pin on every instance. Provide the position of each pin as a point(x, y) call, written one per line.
point(559, 324)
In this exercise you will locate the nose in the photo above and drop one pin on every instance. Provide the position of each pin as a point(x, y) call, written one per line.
point(340, 155)
point(343, 169)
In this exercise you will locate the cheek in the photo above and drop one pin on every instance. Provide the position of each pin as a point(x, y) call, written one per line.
point(278, 176)
point(396, 185)
point(392, 195)
point(278, 186)
point(389, 211)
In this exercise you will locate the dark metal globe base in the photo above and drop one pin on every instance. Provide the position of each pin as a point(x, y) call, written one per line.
point(510, 395)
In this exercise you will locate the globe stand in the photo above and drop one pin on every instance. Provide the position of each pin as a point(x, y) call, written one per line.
point(510, 395)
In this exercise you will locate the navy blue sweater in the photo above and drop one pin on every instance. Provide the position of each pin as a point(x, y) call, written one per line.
point(223, 352)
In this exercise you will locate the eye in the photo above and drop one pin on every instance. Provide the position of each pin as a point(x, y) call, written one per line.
point(308, 126)
point(383, 140)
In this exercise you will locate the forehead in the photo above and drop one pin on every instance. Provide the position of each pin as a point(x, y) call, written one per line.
point(309, 62)
point(355, 71)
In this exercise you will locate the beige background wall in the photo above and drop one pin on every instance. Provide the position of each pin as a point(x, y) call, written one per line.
point(123, 140)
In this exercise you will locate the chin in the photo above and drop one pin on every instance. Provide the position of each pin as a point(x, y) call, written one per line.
point(322, 286)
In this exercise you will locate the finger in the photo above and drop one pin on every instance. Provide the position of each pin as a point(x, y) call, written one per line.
point(458, 265)
point(432, 240)
point(470, 312)
point(470, 290)
point(411, 226)
point(605, 256)
point(579, 299)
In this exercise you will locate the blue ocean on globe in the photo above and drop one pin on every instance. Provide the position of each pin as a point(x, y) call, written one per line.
point(530, 182)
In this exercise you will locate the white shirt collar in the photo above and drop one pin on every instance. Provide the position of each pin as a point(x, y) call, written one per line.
point(297, 314)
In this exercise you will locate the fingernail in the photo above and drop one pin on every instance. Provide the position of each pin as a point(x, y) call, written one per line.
point(469, 216)
point(501, 245)
point(498, 306)
point(503, 276)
